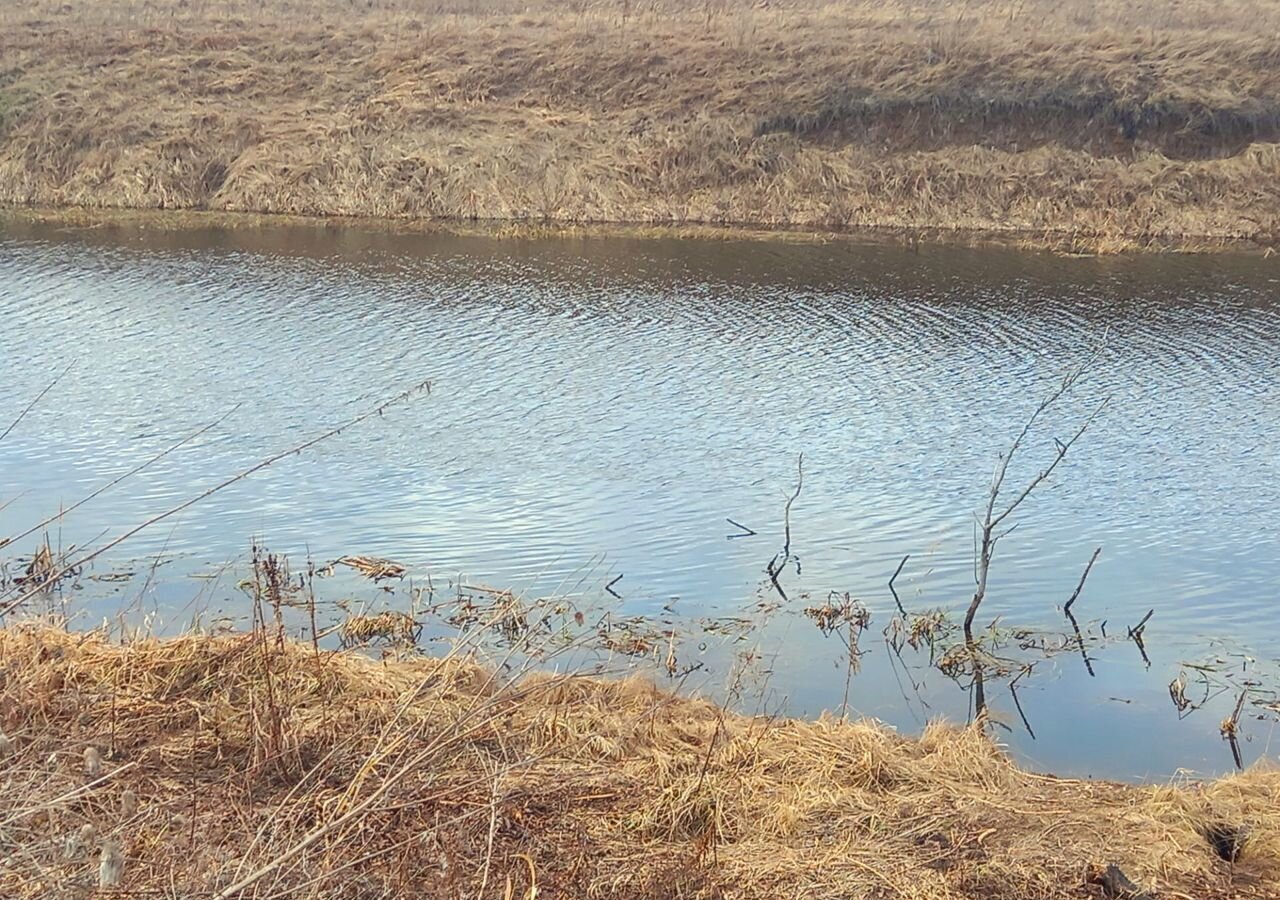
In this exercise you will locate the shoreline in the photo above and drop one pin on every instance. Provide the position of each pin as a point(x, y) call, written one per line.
point(180, 220)
point(217, 763)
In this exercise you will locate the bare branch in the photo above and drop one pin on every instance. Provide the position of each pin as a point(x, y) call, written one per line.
point(1048, 470)
point(780, 560)
point(987, 534)
point(786, 513)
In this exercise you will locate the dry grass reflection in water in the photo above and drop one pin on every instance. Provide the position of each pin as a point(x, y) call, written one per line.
point(255, 764)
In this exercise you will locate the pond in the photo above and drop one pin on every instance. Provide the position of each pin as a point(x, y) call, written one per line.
point(604, 410)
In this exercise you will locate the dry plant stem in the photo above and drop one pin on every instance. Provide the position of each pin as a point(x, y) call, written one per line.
point(389, 740)
point(454, 735)
point(34, 401)
point(493, 829)
point(62, 513)
point(69, 567)
point(55, 802)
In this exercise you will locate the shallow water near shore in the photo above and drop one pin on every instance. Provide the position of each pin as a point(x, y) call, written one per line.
point(601, 407)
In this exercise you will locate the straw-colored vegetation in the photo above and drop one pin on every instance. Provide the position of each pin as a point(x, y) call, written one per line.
point(245, 766)
point(1092, 121)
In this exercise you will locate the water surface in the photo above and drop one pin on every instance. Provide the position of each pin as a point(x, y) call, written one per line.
point(600, 407)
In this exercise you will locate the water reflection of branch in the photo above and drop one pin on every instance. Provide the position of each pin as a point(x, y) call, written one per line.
point(1066, 609)
point(1084, 655)
point(893, 578)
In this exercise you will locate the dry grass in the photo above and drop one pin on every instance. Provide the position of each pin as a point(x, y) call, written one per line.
point(335, 775)
point(1097, 123)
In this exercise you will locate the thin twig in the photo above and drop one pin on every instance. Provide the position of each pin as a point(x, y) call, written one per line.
point(61, 513)
point(38, 397)
point(786, 512)
point(1079, 587)
point(245, 473)
point(57, 802)
point(493, 830)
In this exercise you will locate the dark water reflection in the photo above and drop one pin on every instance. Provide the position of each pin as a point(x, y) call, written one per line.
point(601, 406)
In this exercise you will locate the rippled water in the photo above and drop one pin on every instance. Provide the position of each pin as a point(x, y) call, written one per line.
point(600, 407)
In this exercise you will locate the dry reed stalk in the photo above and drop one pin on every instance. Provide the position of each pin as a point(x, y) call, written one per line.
point(51, 573)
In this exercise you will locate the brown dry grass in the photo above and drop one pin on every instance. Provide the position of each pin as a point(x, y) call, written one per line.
point(434, 778)
point(1112, 125)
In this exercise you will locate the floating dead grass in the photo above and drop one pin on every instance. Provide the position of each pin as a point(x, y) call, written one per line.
point(239, 766)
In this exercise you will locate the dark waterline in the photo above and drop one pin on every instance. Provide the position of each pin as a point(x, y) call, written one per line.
point(601, 406)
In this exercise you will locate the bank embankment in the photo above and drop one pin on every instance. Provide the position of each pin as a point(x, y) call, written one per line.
point(245, 765)
point(1098, 126)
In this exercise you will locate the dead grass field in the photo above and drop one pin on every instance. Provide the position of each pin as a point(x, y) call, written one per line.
point(1094, 122)
point(239, 766)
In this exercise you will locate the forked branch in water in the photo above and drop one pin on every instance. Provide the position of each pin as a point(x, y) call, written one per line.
point(997, 511)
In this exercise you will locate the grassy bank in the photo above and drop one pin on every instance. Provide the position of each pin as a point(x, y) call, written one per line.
point(1094, 124)
point(242, 766)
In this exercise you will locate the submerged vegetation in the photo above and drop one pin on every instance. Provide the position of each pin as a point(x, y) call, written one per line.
point(1084, 125)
